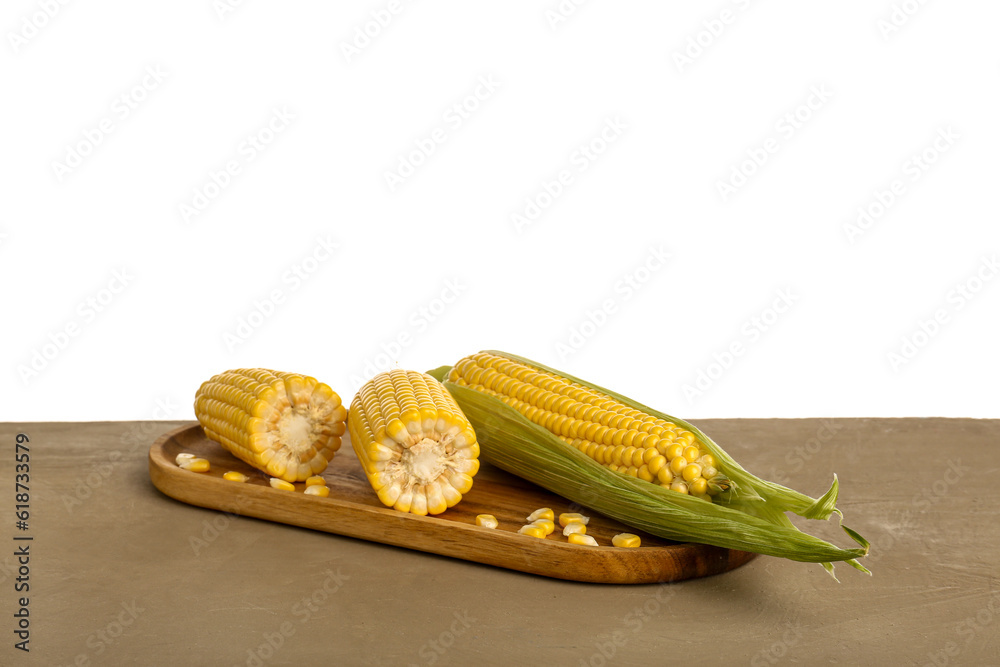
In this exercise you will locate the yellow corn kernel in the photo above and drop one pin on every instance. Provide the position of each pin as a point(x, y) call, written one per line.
point(532, 531)
point(317, 490)
point(691, 472)
point(545, 524)
point(544, 513)
point(572, 517)
point(678, 486)
point(418, 450)
point(316, 480)
point(575, 527)
point(196, 465)
point(627, 540)
point(698, 487)
point(234, 476)
point(678, 464)
point(285, 424)
point(281, 484)
point(581, 539)
point(639, 457)
point(183, 457)
point(487, 521)
point(657, 463)
point(664, 476)
point(707, 460)
point(691, 453)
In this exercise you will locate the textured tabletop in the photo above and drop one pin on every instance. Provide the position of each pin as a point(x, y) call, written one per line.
point(120, 574)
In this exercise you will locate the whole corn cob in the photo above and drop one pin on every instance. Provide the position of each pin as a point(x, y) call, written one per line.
point(600, 449)
point(417, 448)
point(612, 433)
point(285, 424)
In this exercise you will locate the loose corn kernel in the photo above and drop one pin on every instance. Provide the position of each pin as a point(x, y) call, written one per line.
point(183, 457)
point(532, 531)
point(585, 540)
point(317, 490)
point(234, 476)
point(316, 480)
point(571, 517)
point(487, 521)
point(545, 524)
point(575, 527)
point(544, 513)
point(196, 465)
point(626, 540)
point(281, 484)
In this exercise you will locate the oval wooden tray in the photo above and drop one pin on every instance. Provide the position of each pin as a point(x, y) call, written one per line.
point(353, 510)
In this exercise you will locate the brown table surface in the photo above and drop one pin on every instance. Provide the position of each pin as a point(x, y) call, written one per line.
point(123, 575)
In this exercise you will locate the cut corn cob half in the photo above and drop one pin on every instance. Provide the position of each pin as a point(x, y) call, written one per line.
point(284, 424)
point(417, 448)
point(582, 442)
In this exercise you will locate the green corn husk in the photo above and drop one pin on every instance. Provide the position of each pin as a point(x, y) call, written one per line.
point(749, 517)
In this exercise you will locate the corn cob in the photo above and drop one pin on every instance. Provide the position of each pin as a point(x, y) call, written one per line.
point(284, 424)
point(599, 449)
point(417, 448)
point(608, 431)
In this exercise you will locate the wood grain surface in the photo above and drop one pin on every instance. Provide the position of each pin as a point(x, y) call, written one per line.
point(353, 510)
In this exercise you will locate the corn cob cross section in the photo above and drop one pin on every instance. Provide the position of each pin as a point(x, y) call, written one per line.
point(615, 435)
point(417, 448)
point(285, 424)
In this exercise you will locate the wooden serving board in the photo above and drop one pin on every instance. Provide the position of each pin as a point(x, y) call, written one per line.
point(354, 510)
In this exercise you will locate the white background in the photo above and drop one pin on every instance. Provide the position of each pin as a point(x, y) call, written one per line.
point(888, 90)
